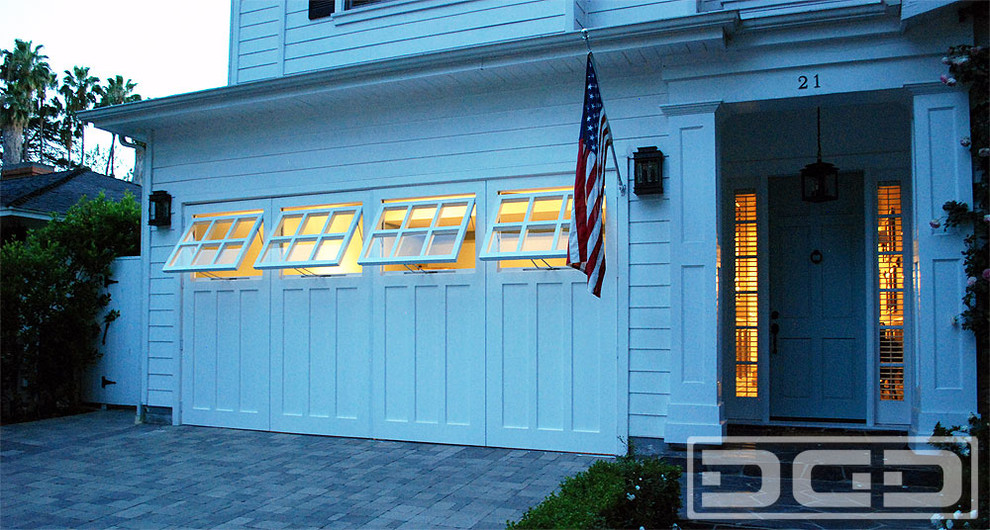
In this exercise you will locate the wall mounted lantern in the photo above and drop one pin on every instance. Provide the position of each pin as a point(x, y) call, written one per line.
point(159, 209)
point(648, 171)
point(820, 180)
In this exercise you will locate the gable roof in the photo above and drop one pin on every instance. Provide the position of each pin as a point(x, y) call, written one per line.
point(57, 192)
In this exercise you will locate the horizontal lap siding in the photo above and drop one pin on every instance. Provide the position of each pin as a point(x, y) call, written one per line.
point(163, 326)
point(601, 13)
point(394, 31)
point(258, 28)
point(649, 314)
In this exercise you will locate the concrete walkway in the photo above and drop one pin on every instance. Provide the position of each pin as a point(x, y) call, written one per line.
point(101, 470)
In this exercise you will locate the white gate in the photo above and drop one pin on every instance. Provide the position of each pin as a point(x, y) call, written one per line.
point(115, 379)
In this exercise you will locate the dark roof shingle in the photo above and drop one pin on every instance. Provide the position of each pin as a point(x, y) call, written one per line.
point(57, 192)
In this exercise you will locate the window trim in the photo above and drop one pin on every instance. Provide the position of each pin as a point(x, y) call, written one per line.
point(344, 237)
point(439, 203)
point(186, 242)
point(561, 224)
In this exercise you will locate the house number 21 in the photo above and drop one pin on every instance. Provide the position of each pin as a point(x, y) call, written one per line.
point(804, 82)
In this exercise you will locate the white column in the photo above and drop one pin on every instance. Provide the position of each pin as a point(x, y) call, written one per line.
point(695, 403)
point(944, 352)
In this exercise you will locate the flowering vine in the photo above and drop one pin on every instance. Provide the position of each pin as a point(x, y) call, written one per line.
point(969, 65)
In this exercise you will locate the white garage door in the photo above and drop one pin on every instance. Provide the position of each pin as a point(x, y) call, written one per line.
point(393, 327)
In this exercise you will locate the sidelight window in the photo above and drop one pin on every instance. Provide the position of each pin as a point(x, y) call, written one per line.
point(890, 303)
point(746, 295)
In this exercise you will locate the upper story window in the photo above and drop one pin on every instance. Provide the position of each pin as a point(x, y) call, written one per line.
point(219, 245)
point(314, 240)
point(325, 8)
point(434, 233)
point(529, 228)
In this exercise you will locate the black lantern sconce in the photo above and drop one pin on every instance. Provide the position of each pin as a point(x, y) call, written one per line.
point(820, 180)
point(160, 209)
point(648, 171)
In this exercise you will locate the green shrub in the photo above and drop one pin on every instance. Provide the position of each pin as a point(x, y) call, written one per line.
point(54, 299)
point(625, 493)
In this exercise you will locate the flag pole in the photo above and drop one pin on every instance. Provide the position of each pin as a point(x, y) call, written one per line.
point(615, 159)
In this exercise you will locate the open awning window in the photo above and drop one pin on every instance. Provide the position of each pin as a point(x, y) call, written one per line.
point(215, 243)
point(418, 231)
point(311, 237)
point(529, 226)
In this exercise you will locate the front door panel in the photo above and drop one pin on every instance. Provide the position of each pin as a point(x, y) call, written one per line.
point(817, 299)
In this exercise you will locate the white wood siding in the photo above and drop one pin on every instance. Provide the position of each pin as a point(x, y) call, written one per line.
point(271, 38)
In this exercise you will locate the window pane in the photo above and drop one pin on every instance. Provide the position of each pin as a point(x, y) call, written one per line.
point(381, 246)
point(565, 234)
point(289, 225)
point(228, 255)
point(411, 245)
point(442, 243)
point(512, 210)
point(392, 217)
point(505, 240)
point(314, 224)
point(340, 223)
point(205, 255)
point(452, 214)
point(422, 217)
point(197, 231)
point(301, 251)
point(183, 257)
point(275, 251)
point(328, 250)
point(538, 240)
point(546, 209)
point(219, 230)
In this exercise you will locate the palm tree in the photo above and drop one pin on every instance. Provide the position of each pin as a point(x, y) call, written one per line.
point(116, 92)
point(79, 92)
point(26, 76)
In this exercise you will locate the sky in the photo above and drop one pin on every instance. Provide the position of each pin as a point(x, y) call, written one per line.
point(166, 47)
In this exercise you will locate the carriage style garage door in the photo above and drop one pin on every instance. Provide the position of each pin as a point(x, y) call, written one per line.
point(398, 315)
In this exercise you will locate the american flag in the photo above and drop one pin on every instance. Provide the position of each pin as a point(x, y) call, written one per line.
point(586, 244)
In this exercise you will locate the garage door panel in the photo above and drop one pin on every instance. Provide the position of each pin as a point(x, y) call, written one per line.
point(551, 375)
point(431, 370)
point(321, 356)
point(225, 369)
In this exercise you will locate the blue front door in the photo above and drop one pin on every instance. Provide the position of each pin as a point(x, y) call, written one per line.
point(817, 298)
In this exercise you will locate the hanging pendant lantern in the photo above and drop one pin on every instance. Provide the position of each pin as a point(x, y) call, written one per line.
point(819, 181)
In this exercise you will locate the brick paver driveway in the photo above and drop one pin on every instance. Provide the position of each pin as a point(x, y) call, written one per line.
point(102, 470)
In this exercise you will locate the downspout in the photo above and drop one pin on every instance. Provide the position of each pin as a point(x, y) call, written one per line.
point(139, 148)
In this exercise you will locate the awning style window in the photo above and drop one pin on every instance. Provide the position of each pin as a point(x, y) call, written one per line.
point(529, 225)
point(312, 237)
point(215, 242)
point(420, 231)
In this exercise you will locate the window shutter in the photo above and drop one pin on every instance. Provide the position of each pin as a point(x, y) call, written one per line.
point(320, 8)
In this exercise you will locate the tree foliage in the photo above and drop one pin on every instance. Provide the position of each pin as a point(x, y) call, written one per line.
point(38, 116)
point(54, 298)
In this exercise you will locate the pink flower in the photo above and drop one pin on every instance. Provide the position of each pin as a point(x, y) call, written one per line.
point(965, 141)
point(986, 218)
point(935, 223)
point(946, 60)
point(962, 59)
point(984, 152)
point(971, 281)
point(986, 274)
point(948, 80)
